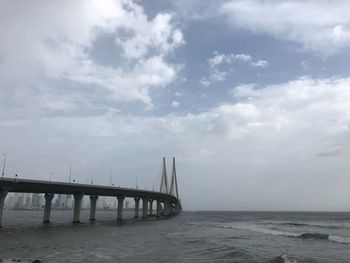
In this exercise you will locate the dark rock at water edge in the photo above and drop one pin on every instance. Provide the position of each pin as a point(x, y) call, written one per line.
point(284, 259)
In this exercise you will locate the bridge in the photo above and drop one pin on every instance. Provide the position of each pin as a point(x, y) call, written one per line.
point(167, 199)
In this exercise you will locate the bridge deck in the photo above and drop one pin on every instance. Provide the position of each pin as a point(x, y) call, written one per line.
point(37, 186)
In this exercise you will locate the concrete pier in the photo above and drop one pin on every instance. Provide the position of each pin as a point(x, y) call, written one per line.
point(144, 207)
point(150, 207)
point(77, 207)
point(167, 208)
point(47, 208)
point(137, 206)
point(177, 209)
point(2, 203)
point(120, 207)
point(159, 208)
point(93, 201)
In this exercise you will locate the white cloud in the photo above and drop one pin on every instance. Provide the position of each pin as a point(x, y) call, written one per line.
point(51, 42)
point(240, 57)
point(322, 25)
point(266, 143)
point(260, 63)
point(218, 59)
point(175, 104)
point(305, 65)
point(158, 33)
point(205, 82)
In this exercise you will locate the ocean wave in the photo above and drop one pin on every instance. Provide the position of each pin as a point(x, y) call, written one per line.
point(319, 225)
point(313, 236)
point(304, 235)
point(339, 239)
point(263, 230)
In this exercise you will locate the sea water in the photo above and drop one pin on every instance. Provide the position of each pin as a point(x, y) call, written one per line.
point(189, 237)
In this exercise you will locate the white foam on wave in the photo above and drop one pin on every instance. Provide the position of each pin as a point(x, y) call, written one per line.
point(313, 224)
point(339, 239)
point(268, 231)
point(263, 230)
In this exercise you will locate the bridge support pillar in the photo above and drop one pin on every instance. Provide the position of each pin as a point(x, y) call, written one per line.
point(172, 209)
point(150, 207)
point(2, 203)
point(77, 207)
point(93, 201)
point(167, 208)
point(47, 208)
point(177, 208)
point(144, 207)
point(120, 207)
point(159, 208)
point(137, 206)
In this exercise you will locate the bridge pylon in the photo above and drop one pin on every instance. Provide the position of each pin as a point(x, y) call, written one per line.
point(164, 180)
point(173, 187)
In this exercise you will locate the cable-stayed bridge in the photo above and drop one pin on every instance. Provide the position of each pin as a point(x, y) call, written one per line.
point(167, 199)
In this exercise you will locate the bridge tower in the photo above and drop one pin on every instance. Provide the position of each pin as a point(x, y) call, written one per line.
point(164, 180)
point(173, 187)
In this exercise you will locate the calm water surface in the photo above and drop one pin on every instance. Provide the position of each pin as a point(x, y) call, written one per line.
point(190, 237)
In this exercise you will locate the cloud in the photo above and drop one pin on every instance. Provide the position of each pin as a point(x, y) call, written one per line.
point(321, 26)
point(333, 152)
point(260, 63)
point(158, 34)
point(218, 59)
point(51, 45)
point(205, 82)
point(264, 145)
point(175, 104)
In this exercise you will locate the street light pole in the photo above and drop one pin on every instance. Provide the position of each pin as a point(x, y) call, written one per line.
point(3, 167)
point(51, 175)
point(70, 172)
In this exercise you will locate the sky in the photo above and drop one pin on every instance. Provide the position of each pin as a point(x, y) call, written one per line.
point(252, 97)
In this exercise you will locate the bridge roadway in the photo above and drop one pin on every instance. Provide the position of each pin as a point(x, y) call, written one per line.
point(166, 204)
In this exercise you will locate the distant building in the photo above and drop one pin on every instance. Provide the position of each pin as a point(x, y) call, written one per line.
point(19, 201)
point(37, 200)
point(59, 203)
point(69, 202)
point(9, 202)
point(27, 201)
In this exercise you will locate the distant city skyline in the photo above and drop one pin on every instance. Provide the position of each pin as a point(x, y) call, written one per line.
point(252, 97)
point(19, 201)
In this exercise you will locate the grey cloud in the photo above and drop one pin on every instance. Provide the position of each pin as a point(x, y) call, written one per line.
point(331, 152)
point(262, 148)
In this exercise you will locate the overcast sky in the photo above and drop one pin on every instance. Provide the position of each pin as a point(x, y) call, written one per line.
point(252, 97)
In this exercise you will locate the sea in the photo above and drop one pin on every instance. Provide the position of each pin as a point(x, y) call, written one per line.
point(193, 236)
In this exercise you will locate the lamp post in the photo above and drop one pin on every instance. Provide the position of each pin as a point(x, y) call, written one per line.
point(70, 172)
point(51, 175)
point(137, 187)
point(89, 178)
point(3, 167)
